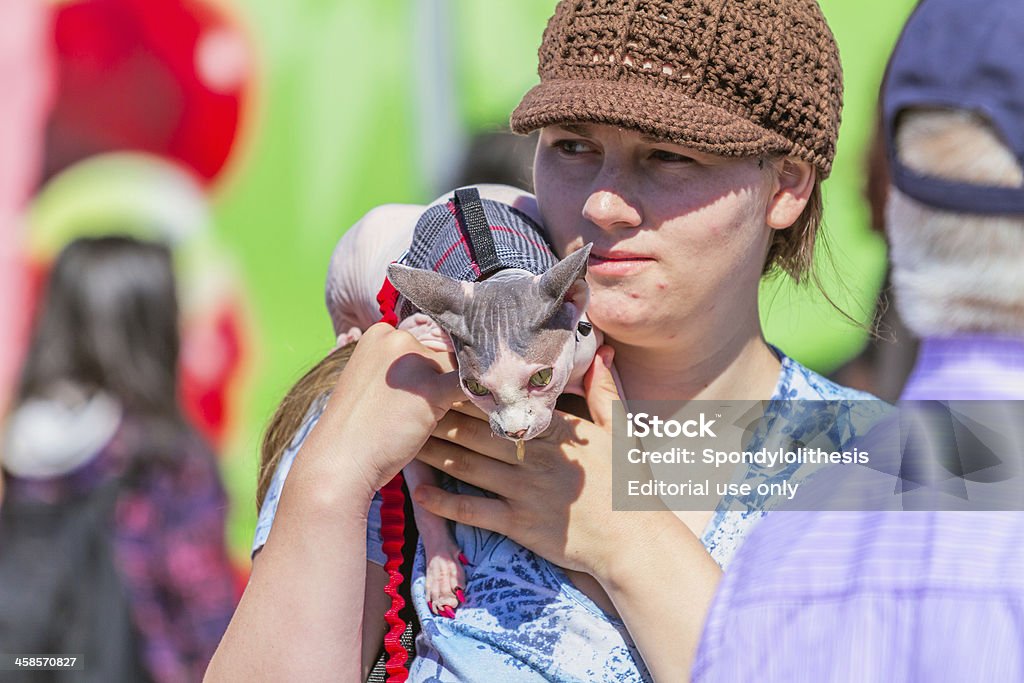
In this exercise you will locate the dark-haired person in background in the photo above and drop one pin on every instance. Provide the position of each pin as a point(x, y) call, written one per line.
point(112, 526)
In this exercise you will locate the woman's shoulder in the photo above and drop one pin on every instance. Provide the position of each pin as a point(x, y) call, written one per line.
point(809, 401)
point(800, 382)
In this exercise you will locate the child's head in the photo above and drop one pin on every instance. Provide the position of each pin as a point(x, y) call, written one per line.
point(715, 120)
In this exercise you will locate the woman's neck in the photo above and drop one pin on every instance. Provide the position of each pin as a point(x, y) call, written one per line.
point(738, 367)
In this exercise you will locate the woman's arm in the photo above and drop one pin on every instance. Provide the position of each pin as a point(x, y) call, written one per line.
point(301, 616)
point(662, 582)
point(558, 504)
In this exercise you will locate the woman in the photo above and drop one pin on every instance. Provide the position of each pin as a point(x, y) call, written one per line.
point(112, 523)
point(688, 141)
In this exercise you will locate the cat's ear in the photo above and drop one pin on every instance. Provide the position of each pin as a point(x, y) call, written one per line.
point(566, 290)
point(438, 296)
point(565, 284)
point(559, 278)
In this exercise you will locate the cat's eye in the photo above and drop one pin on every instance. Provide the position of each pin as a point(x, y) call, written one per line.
point(475, 387)
point(541, 378)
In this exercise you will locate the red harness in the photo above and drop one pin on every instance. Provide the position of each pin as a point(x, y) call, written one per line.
point(392, 517)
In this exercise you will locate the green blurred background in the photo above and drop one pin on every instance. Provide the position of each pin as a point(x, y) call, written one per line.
point(337, 125)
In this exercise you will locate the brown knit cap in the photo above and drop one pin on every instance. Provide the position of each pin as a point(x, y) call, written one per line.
point(727, 77)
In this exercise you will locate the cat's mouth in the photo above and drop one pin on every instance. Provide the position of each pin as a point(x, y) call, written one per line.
point(522, 433)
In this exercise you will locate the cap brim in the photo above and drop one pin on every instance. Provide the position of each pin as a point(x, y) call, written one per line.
point(653, 111)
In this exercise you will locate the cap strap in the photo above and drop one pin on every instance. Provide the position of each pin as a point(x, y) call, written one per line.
point(956, 196)
point(478, 231)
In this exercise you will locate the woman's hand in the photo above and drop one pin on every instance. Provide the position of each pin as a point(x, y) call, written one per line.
point(385, 405)
point(301, 616)
point(557, 502)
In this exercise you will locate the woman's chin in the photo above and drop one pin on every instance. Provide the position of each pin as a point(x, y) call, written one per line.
point(629, 327)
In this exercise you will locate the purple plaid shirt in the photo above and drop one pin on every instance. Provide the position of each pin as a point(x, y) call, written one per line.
point(882, 596)
point(168, 536)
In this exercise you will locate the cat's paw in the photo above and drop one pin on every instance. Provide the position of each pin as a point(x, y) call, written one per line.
point(345, 338)
point(427, 332)
point(445, 578)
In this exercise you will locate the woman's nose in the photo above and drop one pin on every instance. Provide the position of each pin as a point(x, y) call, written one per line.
point(609, 209)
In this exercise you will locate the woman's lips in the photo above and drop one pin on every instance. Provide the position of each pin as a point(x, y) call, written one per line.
point(617, 263)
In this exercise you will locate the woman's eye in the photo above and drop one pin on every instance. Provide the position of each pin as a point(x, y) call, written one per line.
point(672, 157)
point(475, 387)
point(541, 378)
point(572, 147)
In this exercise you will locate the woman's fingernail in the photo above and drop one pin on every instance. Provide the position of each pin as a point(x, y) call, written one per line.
point(448, 612)
point(463, 559)
point(430, 605)
point(421, 495)
point(460, 595)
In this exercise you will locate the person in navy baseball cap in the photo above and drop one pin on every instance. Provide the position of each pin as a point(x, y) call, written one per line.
point(964, 55)
point(953, 108)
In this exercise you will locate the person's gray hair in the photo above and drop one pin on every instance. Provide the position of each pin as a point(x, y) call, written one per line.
point(952, 272)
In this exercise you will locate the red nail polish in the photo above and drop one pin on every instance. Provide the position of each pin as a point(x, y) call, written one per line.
point(460, 595)
point(463, 559)
point(448, 612)
point(430, 606)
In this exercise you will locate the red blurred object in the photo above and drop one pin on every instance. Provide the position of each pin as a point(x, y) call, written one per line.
point(212, 350)
point(161, 76)
point(26, 74)
point(241, 574)
point(167, 77)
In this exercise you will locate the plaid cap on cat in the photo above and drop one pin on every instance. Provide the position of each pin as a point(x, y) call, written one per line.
point(443, 241)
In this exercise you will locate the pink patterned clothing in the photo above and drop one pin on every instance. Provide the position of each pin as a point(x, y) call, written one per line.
point(168, 544)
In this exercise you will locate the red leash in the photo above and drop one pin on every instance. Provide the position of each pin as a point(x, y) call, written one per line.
point(392, 517)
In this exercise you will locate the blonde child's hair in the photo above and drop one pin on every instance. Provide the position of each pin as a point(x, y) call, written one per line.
point(293, 410)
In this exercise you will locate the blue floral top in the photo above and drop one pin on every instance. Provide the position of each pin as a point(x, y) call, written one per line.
point(523, 619)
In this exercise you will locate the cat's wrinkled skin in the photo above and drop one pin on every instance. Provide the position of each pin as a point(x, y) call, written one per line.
point(516, 341)
point(504, 331)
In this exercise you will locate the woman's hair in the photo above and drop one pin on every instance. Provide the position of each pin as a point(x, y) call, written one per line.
point(791, 251)
point(956, 272)
point(317, 383)
point(108, 322)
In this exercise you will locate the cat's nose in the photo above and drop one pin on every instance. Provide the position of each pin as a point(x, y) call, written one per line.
point(516, 435)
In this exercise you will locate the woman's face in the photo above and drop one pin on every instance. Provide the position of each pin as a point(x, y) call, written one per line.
point(680, 237)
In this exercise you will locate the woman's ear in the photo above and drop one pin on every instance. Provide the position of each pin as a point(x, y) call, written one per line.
point(794, 181)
